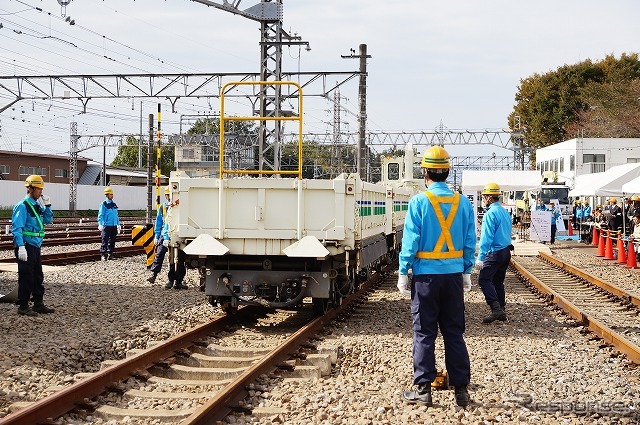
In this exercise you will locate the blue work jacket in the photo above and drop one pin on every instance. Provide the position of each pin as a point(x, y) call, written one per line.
point(28, 221)
point(162, 213)
point(422, 231)
point(108, 214)
point(496, 230)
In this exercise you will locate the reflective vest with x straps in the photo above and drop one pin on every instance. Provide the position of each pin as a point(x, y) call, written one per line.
point(445, 224)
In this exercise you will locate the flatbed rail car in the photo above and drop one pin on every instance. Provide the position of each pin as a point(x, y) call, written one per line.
point(275, 241)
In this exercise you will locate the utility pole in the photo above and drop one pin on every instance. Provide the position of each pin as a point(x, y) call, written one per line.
point(273, 37)
point(361, 152)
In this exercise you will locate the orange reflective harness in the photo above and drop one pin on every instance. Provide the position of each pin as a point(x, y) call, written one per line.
point(445, 225)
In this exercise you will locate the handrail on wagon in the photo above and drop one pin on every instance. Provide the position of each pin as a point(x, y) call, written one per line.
point(223, 119)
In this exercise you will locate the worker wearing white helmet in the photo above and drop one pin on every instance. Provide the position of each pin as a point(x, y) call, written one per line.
point(29, 217)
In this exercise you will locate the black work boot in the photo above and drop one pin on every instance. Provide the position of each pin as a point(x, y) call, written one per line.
point(169, 285)
point(25, 310)
point(462, 396)
point(497, 313)
point(179, 285)
point(152, 278)
point(420, 396)
point(39, 307)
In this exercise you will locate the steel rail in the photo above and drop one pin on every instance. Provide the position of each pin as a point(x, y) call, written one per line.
point(81, 256)
point(631, 350)
point(67, 399)
point(221, 405)
point(77, 394)
point(609, 287)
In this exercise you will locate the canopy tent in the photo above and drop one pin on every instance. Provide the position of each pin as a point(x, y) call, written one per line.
point(608, 183)
point(475, 180)
point(632, 187)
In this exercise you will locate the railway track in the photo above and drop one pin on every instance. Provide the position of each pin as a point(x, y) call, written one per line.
point(605, 309)
point(74, 257)
point(195, 366)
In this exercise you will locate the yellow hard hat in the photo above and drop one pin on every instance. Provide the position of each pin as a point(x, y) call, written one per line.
point(167, 191)
point(34, 180)
point(108, 190)
point(613, 200)
point(491, 189)
point(435, 157)
point(635, 198)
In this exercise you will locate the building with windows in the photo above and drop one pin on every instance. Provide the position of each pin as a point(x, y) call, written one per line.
point(52, 168)
point(580, 156)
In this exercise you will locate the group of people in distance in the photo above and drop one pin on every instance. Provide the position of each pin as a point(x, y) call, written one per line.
point(28, 220)
point(619, 220)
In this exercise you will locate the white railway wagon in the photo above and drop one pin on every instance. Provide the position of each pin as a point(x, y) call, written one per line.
point(275, 241)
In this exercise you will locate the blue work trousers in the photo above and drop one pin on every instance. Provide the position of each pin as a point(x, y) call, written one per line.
point(437, 301)
point(491, 277)
point(30, 276)
point(108, 239)
point(161, 250)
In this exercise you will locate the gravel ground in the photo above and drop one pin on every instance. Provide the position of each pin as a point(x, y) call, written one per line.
point(102, 310)
point(538, 367)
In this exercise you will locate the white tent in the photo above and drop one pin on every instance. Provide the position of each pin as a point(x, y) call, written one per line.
point(632, 187)
point(475, 180)
point(608, 183)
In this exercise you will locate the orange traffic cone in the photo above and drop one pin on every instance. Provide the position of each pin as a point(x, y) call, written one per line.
point(570, 228)
point(594, 236)
point(622, 254)
point(601, 244)
point(631, 256)
point(608, 249)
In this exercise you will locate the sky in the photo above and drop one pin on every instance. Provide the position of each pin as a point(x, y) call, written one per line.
point(450, 63)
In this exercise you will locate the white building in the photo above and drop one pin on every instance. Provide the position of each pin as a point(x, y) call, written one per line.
point(580, 156)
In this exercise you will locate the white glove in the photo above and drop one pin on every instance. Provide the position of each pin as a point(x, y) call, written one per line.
point(100, 227)
point(165, 242)
point(466, 282)
point(155, 241)
point(40, 202)
point(47, 200)
point(403, 285)
point(479, 265)
point(22, 253)
point(119, 229)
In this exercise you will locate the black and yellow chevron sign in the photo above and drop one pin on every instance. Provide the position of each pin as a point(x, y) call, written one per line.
point(143, 236)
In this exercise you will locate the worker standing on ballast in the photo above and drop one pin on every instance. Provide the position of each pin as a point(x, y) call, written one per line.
point(29, 217)
point(494, 252)
point(108, 224)
point(161, 248)
point(438, 244)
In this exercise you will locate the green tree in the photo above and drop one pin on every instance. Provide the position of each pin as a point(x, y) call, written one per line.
point(587, 95)
point(127, 156)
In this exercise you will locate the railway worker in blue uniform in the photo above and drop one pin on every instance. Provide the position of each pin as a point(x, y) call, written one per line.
point(161, 249)
point(494, 252)
point(177, 268)
point(29, 217)
point(438, 244)
point(108, 224)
